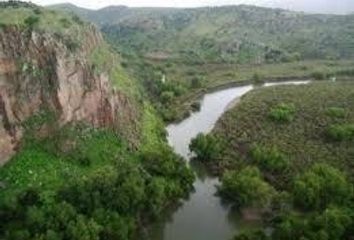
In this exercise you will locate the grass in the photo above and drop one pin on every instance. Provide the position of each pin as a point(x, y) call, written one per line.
point(304, 140)
point(214, 75)
point(49, 163)
point(153, 129)
point(63, 26)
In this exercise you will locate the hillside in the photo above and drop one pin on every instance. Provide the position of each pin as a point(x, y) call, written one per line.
point(198, 49)
point(294, 153)
point(83, 154)
point(234, 34)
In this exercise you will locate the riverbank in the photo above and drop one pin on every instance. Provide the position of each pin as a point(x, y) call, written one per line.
point(197, 216)
point(219, 77)
point(281, 140)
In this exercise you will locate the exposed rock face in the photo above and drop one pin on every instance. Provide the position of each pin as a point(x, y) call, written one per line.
point(38, 71)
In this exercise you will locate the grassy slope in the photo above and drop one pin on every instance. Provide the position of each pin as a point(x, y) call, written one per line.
point(304, 140)
point(233, 34)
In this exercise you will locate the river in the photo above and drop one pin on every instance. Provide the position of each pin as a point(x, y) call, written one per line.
point(203, 216)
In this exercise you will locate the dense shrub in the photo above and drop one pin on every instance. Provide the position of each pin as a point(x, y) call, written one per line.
point(196, 106)
point(120, 190)
point(164, 163)
point(332, 223)
point(336, 112)
point(71, 44)
point(282, 113)
point(65, 22)
point(346, 72)
point(206, 147)
point(103, 198)
point(78, 20)
point(167, 96)
point(31, 21)
point(246, 188)
point(37, 11)
point(341, 132)
point(321, 186)
point(252, 235)
point(318, 75)
point(257, 78)
point(269, 159)
point(196, 82)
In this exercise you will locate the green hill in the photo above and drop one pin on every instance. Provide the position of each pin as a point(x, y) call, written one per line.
point(241, 34)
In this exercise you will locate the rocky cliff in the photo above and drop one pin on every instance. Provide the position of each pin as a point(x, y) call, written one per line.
point(43, 72)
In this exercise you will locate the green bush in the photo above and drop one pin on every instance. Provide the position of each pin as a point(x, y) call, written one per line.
point(37, 11)
point(206, 147)
point(120, 189)
point(196, 82)
point(246, 188)
point(318, 75)
point(346, 72)
point(196, 106)
point(270, 159)
point(65, 22)
point(257, 78)
point(282, 113)
point(341, 132)
point(336, 112)
point(167, 96)
point(31, 21)
point(77, 19)
point(321, 186)
point(252, 235)
point(332, 223)
point(71, 44)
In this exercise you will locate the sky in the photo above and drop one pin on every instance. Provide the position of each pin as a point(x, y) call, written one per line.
point(320, 6)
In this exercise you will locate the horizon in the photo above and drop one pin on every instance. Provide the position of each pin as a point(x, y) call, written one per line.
point(316, 6)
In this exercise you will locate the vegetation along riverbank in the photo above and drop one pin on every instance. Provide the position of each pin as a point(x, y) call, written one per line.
point(287, 151)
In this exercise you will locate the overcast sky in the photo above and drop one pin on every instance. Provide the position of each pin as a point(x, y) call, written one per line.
point(325, 6)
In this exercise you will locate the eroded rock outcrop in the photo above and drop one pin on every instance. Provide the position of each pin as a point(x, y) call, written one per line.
point(39, 71)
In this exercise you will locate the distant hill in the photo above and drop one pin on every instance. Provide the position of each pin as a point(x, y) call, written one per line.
point(241, 34)
point(313, 6)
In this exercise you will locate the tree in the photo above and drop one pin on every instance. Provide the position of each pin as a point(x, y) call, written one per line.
point(269, 159)
point(31, 21)
point(282, 112)
point(83, 229)
point(206, 147)
point(114, 226)
point(320, 186)
point(247, 188)
point(167, 96)
point(341, 132)
point(252, 235)
point(334, 221)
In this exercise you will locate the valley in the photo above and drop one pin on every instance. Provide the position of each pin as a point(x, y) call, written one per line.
point(196, 49)
point(213, 123)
